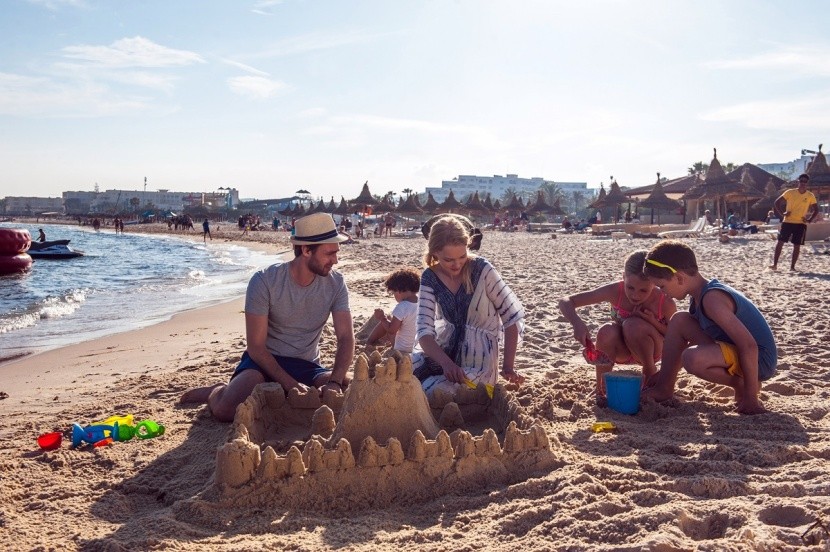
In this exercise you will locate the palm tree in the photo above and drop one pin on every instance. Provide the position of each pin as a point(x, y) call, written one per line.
point(508, 194)
point(578, 199)
point(552, 191)
point(699, 167)
point(407, 191)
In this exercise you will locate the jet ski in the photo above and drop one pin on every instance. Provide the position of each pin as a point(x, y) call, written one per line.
point(54, 249)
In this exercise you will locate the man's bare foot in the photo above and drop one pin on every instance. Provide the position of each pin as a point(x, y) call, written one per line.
point(773, 267)
point(199, 395)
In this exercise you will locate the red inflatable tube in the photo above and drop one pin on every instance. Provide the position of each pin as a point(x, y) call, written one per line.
point(15, 264)
point(14, 241)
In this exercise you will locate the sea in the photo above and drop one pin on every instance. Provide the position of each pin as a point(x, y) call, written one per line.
point(123, 282)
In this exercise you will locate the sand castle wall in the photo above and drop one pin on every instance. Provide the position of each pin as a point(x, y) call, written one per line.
point(384, 447)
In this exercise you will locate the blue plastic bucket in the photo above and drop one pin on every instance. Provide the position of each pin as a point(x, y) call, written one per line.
point(623, 391)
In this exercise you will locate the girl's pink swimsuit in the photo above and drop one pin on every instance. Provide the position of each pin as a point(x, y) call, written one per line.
point(618, 314)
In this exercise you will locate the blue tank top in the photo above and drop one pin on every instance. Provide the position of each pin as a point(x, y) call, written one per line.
point(749, 315)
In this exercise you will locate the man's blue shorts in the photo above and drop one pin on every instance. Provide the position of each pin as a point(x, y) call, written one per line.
point(301, 370)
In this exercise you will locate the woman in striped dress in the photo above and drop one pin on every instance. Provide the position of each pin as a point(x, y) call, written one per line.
point(464, 310)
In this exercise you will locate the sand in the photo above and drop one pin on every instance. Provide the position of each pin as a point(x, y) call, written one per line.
point(682, 475)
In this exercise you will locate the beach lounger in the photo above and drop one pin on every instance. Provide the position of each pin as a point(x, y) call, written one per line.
point(693, 231)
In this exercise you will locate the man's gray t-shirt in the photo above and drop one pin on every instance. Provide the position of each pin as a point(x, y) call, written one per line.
point(296, 314)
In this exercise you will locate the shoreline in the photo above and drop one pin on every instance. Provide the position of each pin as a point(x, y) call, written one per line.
point(155, 230)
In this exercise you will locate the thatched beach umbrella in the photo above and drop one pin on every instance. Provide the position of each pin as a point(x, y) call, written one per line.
point(748, 191)
point(409, 207)
point(540, 206)
point(319, 208)
point(658, 199)
point(819, 174)
point(343, 207)
point(615, 198)
point(515, 205)
point(431, 206)
point(450, 203)
point(487, 203)
point(767, 202)
point(599, 202)
point(332, 206)
point(474, 206)
point(717, 185)
point(365, 200)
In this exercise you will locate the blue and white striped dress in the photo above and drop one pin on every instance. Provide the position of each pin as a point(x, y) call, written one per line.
point(467, 326)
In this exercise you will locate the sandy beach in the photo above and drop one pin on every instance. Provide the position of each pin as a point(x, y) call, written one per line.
point(688, 474)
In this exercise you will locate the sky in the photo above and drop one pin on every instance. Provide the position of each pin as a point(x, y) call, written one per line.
point(270, 96)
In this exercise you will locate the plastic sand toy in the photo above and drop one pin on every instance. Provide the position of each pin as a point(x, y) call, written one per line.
point(50, 441)
point(597, 427)
point(594, 356)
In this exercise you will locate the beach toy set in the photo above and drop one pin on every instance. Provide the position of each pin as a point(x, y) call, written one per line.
point(98, 434)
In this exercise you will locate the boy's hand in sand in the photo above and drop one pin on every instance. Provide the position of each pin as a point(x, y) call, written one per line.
point(751, 406)
point(512, 376)
point(379, 314)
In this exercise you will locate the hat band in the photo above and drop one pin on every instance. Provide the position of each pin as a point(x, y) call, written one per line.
point(318, 237)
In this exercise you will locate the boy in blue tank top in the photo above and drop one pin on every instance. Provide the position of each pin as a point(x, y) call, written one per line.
point(723, 338)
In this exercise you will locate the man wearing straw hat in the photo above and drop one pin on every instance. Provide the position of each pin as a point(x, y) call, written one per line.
point(286, 307)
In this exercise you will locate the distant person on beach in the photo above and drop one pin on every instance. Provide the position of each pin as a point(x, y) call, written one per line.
point(206, 230)
point(797, 208)
point(640, 314)
point(286, 307)
point(388, 223)
point(723, 338)
point(41, 235)
point(356, 226)
point(463, 308)
point(399, 326)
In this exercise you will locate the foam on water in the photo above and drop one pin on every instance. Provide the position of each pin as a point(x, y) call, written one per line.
point(123, 282)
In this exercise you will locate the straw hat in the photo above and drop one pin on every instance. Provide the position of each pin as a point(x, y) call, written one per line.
point(316, 228)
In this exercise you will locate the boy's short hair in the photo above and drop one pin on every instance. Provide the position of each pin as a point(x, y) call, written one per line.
point(404, 279)
point(668, 257)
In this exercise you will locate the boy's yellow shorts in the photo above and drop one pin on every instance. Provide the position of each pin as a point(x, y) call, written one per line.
point(730, 355)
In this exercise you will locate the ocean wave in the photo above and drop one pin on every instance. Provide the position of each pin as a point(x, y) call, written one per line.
point(48, 308)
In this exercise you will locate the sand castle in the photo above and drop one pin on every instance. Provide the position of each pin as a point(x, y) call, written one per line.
point(385, 446)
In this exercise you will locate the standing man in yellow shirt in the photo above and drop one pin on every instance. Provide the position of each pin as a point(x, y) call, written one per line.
point(797, 207)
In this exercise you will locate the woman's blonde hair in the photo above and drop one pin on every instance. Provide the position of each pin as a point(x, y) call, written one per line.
point(448, 231)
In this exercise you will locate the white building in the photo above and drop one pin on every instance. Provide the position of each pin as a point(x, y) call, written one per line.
point(112, 201)
point(790, 170)
point(497, 185)
point(33, 206)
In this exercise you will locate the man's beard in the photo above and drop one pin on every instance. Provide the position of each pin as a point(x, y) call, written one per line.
point(317, 268)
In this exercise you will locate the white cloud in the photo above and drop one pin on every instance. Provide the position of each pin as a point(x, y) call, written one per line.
point(810, 60)
point(265, 7)
point(132, 52)
point(317, 41)
point(246, 68)
point(312, 112)
point(43, 97)
point(807, 113)
point(259, 88)
point(55, 5)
